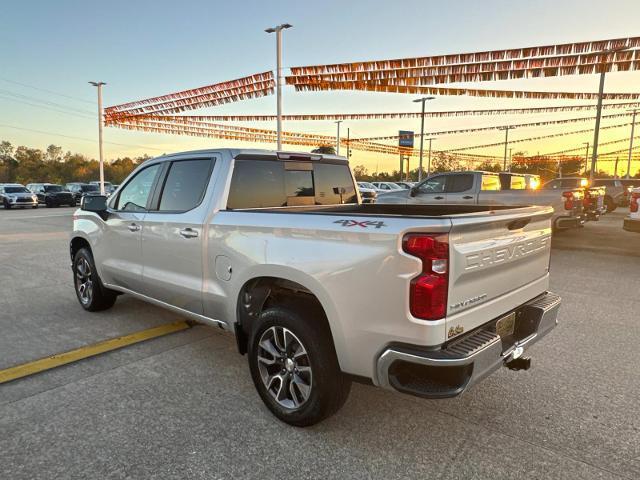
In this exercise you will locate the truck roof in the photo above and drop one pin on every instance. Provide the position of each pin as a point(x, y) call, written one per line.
point(257, 152)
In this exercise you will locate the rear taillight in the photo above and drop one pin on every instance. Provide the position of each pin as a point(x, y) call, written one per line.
point(568, 200)
point(635, 200)
point(428, 293)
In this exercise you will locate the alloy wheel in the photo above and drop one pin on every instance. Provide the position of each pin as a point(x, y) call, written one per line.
point(84, 284)
point(284, 366)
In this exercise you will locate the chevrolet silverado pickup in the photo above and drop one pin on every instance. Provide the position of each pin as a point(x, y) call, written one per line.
point(318, 288)
point(487, 188)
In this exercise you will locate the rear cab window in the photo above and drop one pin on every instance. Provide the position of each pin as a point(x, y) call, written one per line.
point(267, 183)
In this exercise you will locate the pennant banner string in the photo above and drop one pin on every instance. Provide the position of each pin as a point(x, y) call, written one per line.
point(499, 127)
point(464, 58)
point(530, 139)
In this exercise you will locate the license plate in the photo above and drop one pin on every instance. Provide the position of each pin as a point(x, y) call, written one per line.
point(506, 325)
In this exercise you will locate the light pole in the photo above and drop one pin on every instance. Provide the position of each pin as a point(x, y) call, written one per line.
point(338, 122)
point(633, 124)
point(586, 157)
point(422, 100)
point(100, 153)
point(506, 144)
point(278, 31)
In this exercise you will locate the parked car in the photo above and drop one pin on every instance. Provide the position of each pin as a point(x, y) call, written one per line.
point(269, 246)
point(594, 204)
point(632, 221)
point(386, 186)
point(615, 195)
point(368, 195)
point(79, 190)
point(108, 186)
point(406, 185)
point(487, 188)
point(52, 195)
point(17, 195)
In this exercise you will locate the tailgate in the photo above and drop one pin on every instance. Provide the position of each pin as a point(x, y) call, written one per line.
point(498, 261)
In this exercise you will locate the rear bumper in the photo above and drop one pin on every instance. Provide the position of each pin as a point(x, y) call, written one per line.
point(631, 225)
point(564, 222)
point(450, 370)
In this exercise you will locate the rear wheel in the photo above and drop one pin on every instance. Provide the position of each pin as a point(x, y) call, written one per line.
point(92, 295)
point(294, 366)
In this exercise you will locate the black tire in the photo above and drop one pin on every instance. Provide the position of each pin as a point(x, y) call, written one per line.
point(94, 297)
point(610, 203)
point(48, 203)
point(7, 205)
point(328, 386)
point(35, 206)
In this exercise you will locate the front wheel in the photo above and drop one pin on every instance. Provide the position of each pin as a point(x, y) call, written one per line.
point(295, 368)
point(92, 295)
point(7, 205)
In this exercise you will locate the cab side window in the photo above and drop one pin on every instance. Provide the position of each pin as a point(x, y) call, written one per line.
point(433, 185)
point(459, 183)
point(185, 185)
point(134, 196)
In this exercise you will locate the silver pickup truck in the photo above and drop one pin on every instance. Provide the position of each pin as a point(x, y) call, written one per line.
point(318, 288)
point(487, 188)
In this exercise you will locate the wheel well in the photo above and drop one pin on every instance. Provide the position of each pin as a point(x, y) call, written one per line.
point(76, 244)
point(263, 292)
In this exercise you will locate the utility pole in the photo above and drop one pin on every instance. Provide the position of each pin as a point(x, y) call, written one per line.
point(99, 85)
point(338, 122)
point(615, 169)
point(506, 144)
point(596, 132)
point(510, 158)
point(633, 124)
point(422, 100)
point(278, 32)
point(586, 157)
point(429, 160)
point(348, 144)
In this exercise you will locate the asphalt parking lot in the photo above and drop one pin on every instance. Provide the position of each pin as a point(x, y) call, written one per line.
point(184, 406)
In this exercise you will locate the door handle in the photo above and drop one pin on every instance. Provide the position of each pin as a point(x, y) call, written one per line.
point(188, 233)
point(467, 197)
point(134, 227)
point(438, 198)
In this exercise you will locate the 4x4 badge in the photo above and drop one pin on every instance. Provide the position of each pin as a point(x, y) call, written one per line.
point(363, 224)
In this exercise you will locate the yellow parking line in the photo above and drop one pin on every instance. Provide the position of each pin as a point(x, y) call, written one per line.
point(64, 358)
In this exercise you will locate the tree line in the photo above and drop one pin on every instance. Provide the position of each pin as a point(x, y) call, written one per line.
point(547, 168)
point(31, 165)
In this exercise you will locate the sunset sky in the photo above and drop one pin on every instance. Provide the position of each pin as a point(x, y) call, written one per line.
point(50, 50)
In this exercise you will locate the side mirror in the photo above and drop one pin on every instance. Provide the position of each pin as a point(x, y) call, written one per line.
point(94, 203)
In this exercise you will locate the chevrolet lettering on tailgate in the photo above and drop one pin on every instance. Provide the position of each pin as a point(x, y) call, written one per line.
point(502, 254)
